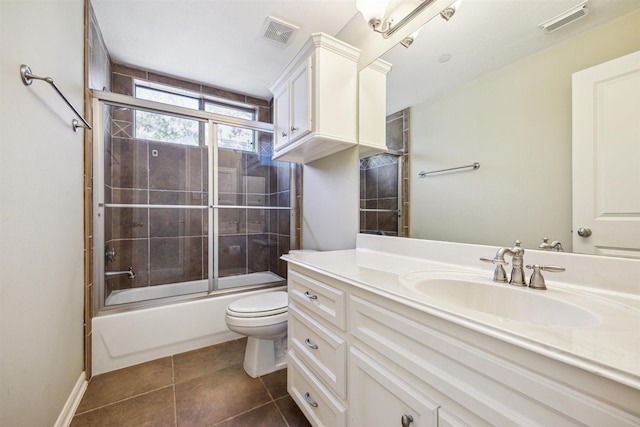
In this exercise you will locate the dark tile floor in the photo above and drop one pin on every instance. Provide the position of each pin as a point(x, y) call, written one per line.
point(204, 387)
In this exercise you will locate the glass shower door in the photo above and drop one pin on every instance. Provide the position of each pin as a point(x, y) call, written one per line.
point(155, 206)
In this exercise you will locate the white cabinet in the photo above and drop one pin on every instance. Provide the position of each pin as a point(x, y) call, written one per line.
point(358, 358)
point(381, 398)
point(315, 101)
point(292, 109)
point(372, 113)
point(317, 348)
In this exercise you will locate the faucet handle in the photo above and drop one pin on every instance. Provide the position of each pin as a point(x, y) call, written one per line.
point(537, 280)
point(493, 260)
point(499, 275)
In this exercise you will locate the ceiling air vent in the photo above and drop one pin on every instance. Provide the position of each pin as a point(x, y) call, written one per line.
point(566, 18)
point(279, 31)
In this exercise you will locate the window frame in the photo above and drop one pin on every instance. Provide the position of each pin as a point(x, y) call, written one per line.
point(203, 100)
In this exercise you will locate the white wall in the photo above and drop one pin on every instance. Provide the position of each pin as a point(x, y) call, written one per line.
point(41, 211)
point(331, 201)
point(516, 122)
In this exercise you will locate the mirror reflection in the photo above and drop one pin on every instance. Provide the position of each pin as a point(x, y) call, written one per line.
point(491, 86)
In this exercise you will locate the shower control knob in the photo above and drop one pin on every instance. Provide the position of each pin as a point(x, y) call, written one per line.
point(584, 232)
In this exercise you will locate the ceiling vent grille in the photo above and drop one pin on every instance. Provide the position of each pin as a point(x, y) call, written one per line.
point(566, 18)
point(279, 31)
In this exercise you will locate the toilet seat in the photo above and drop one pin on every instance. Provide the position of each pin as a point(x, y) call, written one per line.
point(261, 305)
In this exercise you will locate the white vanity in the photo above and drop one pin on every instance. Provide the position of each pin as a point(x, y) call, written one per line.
point(405, 332)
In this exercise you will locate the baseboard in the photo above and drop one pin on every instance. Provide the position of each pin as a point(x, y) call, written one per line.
point(69, 409)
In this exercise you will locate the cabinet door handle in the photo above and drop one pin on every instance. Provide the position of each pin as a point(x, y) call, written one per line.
point(293, 129)
point(284, 134)
point(308, 295)
point(309, 401)
point(310, 344)
point(406, 420)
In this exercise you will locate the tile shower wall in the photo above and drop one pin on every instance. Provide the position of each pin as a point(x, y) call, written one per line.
point(170, 245)
point(379, 179)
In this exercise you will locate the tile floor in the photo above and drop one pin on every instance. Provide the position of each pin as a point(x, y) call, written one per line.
point(204, 387)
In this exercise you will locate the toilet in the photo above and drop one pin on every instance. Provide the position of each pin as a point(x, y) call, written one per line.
point(263, 319)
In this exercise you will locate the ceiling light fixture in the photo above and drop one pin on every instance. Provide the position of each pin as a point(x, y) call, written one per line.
point(448, 13)
point(408, 41)
point(373, 12)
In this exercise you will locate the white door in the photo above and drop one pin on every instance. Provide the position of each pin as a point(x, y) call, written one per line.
point(606, 158)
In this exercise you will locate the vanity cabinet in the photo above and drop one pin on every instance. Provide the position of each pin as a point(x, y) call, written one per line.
point(381, 360)
point(317, 346)
point(315, 101)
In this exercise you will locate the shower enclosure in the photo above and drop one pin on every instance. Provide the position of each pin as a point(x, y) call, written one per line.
point(186, 202)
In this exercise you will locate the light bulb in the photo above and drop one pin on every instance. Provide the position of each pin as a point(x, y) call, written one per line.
point(371, 9)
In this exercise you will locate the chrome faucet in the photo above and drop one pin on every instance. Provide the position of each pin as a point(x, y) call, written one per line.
point(517, 270)
point(554, 246)
point(112, 274)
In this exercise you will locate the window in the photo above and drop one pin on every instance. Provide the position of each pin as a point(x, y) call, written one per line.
point(178, 130)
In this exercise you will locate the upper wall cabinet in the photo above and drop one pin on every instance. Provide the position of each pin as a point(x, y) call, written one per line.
point(372, 103)
point(316, 101)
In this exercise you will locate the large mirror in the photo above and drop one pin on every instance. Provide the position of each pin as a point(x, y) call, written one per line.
point(491, 86)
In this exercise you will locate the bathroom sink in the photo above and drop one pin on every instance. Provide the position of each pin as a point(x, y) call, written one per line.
point(479, 293)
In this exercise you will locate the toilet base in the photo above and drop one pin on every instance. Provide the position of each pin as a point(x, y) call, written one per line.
point(264, 356)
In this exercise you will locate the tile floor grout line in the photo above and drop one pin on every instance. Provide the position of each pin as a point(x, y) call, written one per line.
point(281, 414)
point(123, 400)
point(173, 385)
point(244, 412)
point(266, 388)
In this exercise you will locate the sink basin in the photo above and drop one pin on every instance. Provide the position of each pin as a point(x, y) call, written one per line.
point(479, 293)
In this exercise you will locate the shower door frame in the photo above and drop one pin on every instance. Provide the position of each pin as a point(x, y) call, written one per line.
point(212, 120)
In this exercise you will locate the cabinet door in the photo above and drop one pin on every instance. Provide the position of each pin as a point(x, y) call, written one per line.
point(301, 96)
point(282, 104)
point(377, 397)
point(447, 419)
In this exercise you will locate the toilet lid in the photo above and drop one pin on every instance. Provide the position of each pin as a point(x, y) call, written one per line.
point(266, 304)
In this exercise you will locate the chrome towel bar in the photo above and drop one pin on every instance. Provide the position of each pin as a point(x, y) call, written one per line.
point(27, 78)
point(474, 166)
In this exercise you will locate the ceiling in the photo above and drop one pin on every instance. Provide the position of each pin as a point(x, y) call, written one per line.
point(220, 43)
point(217, 42)
point(482, 36)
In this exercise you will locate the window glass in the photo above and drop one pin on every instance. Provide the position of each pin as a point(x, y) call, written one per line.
point(232, 137)
point(162, 127)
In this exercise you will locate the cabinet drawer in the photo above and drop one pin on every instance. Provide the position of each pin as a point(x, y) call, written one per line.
point(320, 349)
point(378, 397)
point(318, 298)
point(318, 404)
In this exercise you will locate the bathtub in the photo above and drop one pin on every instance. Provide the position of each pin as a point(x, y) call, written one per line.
point(160, 291)
point(128, 338)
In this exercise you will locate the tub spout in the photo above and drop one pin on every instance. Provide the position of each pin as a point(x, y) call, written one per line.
point(111, 274)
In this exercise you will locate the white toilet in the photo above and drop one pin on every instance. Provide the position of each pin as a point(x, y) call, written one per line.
point(263, 319)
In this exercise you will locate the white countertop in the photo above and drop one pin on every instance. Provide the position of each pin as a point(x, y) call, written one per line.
point(610, 349)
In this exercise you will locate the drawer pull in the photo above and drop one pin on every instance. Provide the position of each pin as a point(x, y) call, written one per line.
point(310, 345)
point(406, 420)
point(308, 295)
point(309, 401)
